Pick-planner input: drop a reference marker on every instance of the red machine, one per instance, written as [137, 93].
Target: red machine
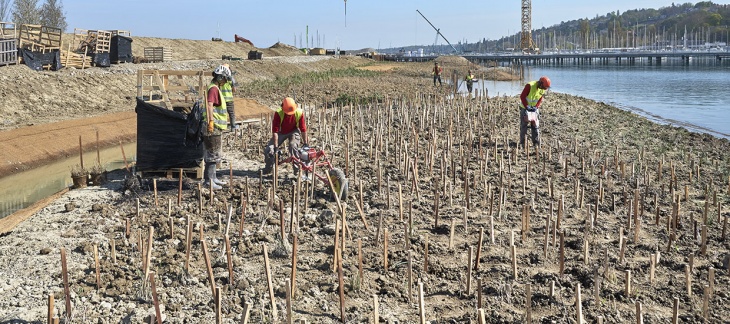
[315, 161]
[241, 39]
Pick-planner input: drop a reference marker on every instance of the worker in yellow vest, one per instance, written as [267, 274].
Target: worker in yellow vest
[228, 89]
[216, 118]
[469, 79]
[531, 99]
[288, 123]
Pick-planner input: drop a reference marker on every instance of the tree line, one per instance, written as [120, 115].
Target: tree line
[49, 13]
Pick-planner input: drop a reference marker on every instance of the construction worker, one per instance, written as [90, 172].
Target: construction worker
[469, 79]
[228, 89]
[288, 123]
[437, 73]
[531, 99]
[216, 118]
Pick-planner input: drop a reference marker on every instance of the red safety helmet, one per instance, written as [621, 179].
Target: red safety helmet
[288, 106]
[545, 82]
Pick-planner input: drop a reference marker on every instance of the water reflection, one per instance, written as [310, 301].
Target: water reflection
[21, 190]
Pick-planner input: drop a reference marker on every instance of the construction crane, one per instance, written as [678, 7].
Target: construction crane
[438, 31]
[526, 43]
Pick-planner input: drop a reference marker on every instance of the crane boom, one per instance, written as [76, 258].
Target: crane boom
[437, 31]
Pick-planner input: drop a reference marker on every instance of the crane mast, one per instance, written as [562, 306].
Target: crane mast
[526, 43]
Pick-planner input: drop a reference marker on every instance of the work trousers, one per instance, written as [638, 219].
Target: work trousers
[294, 138]
[212, 146]
[436, 77]
[524, 125]
[231, 114]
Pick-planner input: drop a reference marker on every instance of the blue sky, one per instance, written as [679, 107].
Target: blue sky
[370, 23]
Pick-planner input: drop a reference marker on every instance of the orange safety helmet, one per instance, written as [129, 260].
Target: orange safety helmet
[545, 82]
[288, 106]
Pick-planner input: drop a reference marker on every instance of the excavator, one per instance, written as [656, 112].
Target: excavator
[241, 39]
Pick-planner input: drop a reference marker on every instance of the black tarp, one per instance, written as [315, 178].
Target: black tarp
[120, 49]
[36, 60]
[161, 136]
[100, 59]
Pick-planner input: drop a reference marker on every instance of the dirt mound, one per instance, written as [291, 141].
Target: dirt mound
[452, 60]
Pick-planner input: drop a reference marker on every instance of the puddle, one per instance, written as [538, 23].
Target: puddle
[23, 189]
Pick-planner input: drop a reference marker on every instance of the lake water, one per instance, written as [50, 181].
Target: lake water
[672, 93]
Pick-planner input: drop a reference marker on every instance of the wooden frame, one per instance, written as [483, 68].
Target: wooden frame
[173, 88]
[8, 43]
[39, 38]
[157, 54]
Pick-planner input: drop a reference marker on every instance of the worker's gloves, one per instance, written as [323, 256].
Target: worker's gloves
[210, 126]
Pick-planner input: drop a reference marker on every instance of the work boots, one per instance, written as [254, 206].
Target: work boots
[209, 176]
[215, 178]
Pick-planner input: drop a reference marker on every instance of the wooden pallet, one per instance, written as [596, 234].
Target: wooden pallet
[39, 38]
[157, 54]
[192, 173]
[8, 51]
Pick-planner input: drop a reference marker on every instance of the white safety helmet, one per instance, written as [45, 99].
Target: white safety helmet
[223, 70]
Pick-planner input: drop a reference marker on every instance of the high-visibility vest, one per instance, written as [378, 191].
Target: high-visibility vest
[297, 116]
[535, 94]
[469, 79]
[220, 114]
[227, 91]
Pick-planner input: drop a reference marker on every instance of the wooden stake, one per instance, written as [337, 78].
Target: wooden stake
[706, 303]
[468, 271]
[376, 316]
[688, 279]
[293, 276]
[179, 189]
[479, 249]
[211, 279]
[675, 311]
[652, 267]
[342, 289]
[528, 303]
[425, 256]
[639, 317]
[578, 305]
[246, 313]
[188, 241]
[218, 304]
[229, 260]
[96, 266]
[385, 249]
[269, 283]
[51, 309]
[451, 233]
[113, 247]
[148, 251]
[421, 304]
[514, 262]
[627, 287]
[154, 186]
[562, 252]
[711, 280]
[289, 317]
[64, 274]
[155, 301]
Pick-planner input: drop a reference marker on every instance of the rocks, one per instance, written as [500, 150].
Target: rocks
[45, 251]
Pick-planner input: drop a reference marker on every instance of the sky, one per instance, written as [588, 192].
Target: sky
[368, 23]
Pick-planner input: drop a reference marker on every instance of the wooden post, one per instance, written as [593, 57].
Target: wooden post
[246, 313]
[562, 253]
[421, 304]
[148, 251]
[154, 186]
[188, 241]
[711, 280]
[639, 317]
[218, 304]
[229, 260]
[451, 233]
[155, 301]
[81, 154]
[528, 303]
[385, 249]
[425, 256]
[51, 309]
[652, 266]
[479, 249]
[705, 303]
[688, 279]
[96, 265]
[269, 283]
[468, 271]
[289, 317]
[179, 189]
[342, 288]
[578, 305]
[675, 311]
[627, 289]
[376, 316]
[64, 274]
[211, 279]
[514, 261]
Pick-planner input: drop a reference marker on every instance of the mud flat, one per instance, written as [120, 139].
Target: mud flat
[450, 201]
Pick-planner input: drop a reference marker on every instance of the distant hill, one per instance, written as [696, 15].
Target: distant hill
[704, 22]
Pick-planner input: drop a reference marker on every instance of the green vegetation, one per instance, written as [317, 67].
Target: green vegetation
[285, 84]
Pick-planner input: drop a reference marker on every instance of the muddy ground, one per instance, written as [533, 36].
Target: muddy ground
[398, 118]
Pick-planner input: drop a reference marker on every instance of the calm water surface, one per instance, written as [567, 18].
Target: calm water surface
[692, 96]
